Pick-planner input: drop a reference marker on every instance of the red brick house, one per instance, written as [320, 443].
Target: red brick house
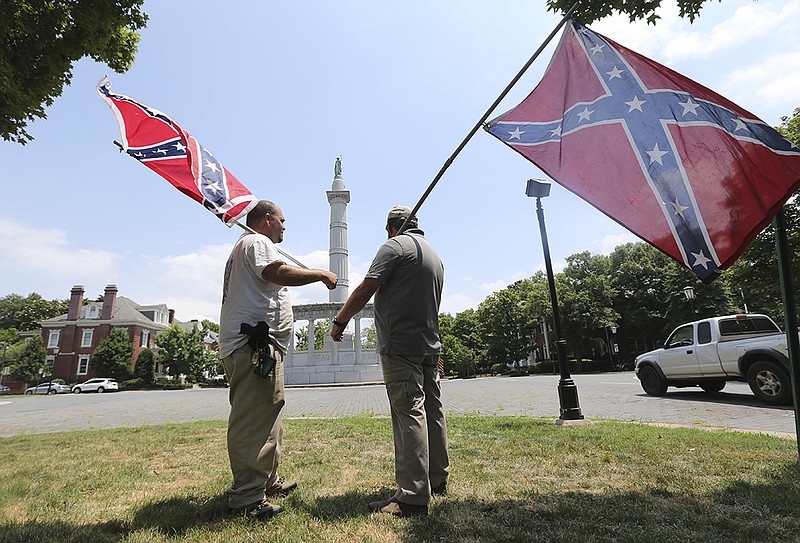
[71, 339]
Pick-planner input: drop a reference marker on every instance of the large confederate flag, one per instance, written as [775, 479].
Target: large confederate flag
[679, 165]
[157, 141]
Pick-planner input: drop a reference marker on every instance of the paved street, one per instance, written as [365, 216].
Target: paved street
[602, 396]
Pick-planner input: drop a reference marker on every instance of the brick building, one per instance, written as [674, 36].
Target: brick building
[71, 339]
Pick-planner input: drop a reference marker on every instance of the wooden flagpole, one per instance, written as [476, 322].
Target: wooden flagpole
[485, 116]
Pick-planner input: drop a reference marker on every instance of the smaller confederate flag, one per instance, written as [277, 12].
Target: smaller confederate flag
[157, 141]
[680, 166]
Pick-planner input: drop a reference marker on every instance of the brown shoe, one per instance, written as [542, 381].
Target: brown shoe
[281, 487]
[398, 509]
[262, 510]
[440, 490]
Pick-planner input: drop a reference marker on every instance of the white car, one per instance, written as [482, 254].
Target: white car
[97, 384]
[47, 388]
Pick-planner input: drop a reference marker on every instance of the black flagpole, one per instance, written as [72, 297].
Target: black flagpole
[485, 116]
[790, 313]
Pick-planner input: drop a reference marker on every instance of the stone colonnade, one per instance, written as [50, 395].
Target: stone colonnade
[346, 362]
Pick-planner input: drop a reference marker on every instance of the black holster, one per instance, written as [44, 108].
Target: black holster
[258, 338]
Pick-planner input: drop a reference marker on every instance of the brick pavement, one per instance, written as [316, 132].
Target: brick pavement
[602, 396]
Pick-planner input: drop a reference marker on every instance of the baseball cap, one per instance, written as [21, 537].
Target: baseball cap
[399, 212]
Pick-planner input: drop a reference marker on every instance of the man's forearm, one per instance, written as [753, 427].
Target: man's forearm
[290, 276]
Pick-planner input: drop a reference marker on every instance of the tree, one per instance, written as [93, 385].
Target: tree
[183, 352]
[589, 11]
[41, 40]
[113, 356]
[210, 325]
[321, 328]
[585, 295]
[790, 127]
[506, 327]
[24, 313]
[455, 355]
[369, 337]
[145, 368]
[28, 360]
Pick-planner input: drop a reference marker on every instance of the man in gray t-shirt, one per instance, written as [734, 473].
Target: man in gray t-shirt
[406, 277]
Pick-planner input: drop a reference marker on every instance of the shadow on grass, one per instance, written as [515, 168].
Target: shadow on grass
[345, 506]
[172, 517]
[740, 512]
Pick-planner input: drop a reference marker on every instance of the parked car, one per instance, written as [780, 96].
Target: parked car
[97, 384]
[47, 388]
[4, 390]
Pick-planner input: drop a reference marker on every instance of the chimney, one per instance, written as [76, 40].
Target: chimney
[171, 315]
[109, 297]
[75, 303]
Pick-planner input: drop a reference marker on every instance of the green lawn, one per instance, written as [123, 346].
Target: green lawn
[513, 479]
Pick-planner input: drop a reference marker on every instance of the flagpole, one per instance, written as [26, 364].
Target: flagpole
[485, 116]
[789, 313]
[281, 251]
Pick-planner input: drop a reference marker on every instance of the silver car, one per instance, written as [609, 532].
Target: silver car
[96, 384]
[48, 388]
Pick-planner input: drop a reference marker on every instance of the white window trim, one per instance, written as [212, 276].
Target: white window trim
[87, 332]
[86, 369]
[52, 339]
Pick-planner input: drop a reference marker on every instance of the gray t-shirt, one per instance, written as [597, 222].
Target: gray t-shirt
[407, 302]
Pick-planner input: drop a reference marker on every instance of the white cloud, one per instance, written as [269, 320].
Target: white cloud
[49, 253]
[610, 242]
[773, 79]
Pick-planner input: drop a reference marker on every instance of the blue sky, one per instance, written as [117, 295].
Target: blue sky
[278, 90]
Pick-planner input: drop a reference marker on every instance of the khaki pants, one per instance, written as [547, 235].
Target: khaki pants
[255, 431]
[418, 423]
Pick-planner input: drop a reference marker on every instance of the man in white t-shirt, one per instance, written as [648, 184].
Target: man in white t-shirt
[255, 290]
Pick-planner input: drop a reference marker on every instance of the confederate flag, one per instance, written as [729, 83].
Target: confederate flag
[680, 166]
[157, 141]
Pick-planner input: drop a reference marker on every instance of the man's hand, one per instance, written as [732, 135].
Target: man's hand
[330, 279]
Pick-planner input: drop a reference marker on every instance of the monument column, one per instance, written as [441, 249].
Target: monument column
[338, 198]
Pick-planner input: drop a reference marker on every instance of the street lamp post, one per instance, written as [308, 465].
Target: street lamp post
[3, 368]
[567, 390]
[689, 293]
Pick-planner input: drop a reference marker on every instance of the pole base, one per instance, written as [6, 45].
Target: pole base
[568, 400]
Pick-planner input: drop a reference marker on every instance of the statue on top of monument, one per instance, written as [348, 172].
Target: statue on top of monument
[337, 168]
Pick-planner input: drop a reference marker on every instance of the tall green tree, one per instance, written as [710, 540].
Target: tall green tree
[506, 327]
[25, 312]
[585, 296]
[113, 356]
[40, 40]
[183, 352]
[592, 10]
[28, 360]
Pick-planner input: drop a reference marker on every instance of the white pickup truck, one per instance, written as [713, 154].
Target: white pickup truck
[709, 352]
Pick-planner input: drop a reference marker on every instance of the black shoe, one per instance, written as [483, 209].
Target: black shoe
[262, 510]
[281, 487]
[398, 509]
[440, 490]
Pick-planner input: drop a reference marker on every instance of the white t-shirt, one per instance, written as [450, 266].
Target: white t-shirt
[248, 298]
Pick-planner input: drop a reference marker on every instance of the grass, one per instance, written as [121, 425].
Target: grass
[513, 479]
